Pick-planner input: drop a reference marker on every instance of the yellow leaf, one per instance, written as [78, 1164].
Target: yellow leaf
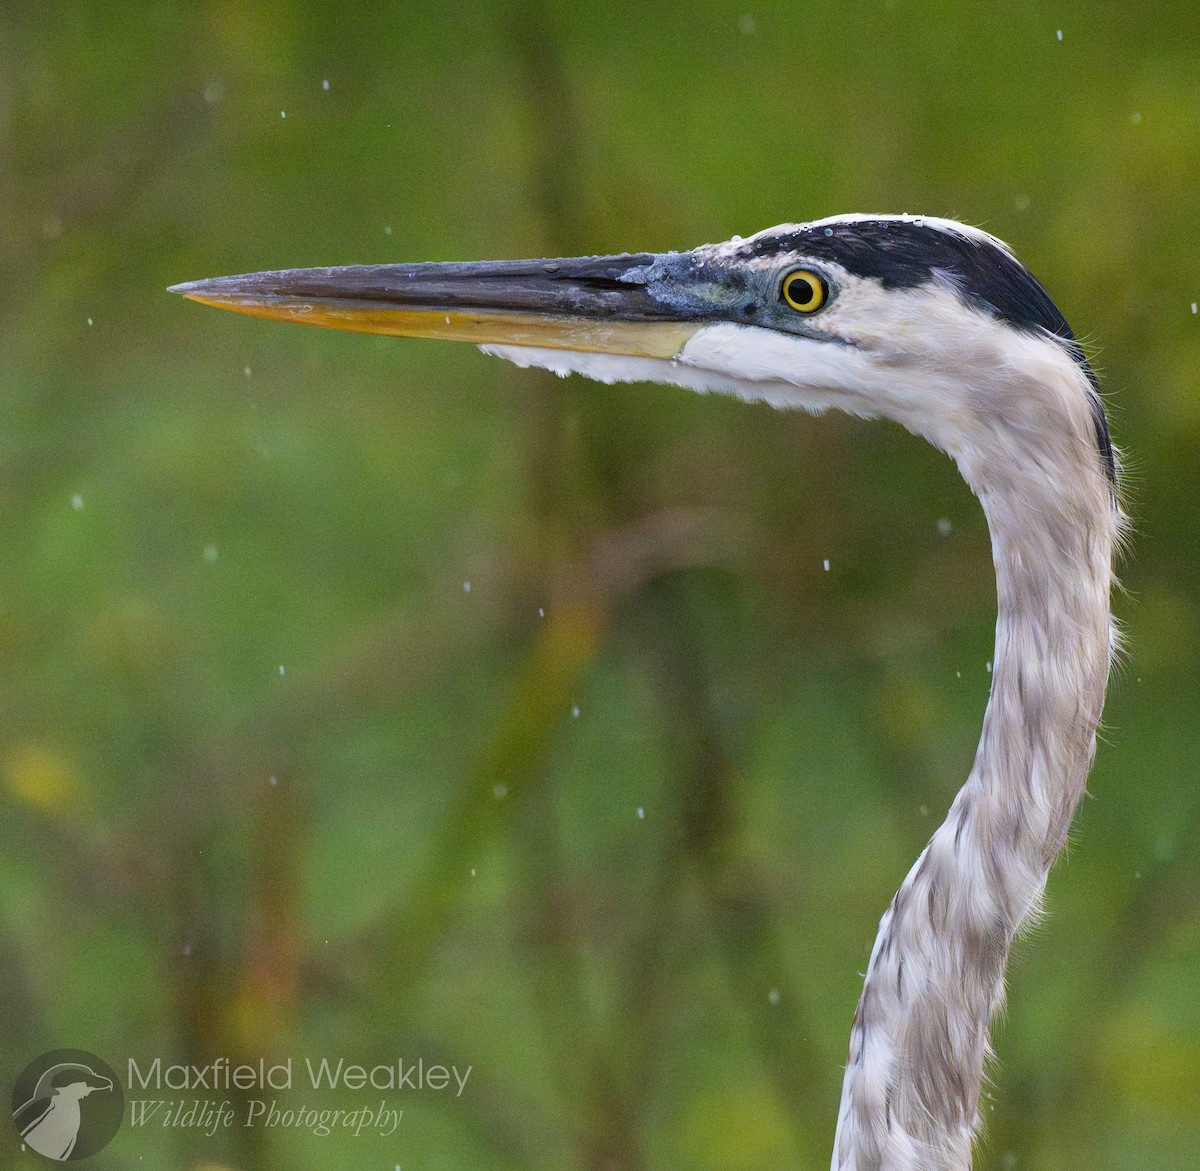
[41, 776]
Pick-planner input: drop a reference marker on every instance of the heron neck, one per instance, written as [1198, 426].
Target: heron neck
[936, 974]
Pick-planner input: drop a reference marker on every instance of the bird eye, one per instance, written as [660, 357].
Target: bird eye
[804, 290]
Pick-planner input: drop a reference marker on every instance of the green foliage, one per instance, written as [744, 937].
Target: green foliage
[377, 700]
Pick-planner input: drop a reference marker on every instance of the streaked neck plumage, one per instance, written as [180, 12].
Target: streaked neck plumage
[936, 975]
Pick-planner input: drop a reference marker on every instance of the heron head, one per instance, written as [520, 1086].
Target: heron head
[922, 320]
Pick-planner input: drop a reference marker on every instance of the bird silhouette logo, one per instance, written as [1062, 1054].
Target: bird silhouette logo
[67, 1105]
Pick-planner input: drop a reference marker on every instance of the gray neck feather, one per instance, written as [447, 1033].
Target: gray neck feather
[936, 975]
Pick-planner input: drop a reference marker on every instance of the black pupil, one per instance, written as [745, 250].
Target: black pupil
[802, 290]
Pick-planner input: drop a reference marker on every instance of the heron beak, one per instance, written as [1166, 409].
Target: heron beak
[603, 304]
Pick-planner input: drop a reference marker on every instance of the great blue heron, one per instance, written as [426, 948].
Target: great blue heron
[937, 326]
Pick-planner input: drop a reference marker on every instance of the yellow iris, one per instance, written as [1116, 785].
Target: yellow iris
[804, 290]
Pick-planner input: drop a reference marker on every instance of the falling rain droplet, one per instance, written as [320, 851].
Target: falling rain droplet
[825, 564]
[325, 84]
[641, 812]
[575, 711]
[90, 321]
[77, 502]
[466, 587]
[283, 113]
[773, 997]
[282, 671]
[210, 553]
[500, 792]
[1059, 34]
[944, 527]
[246, 371]
[272, 780]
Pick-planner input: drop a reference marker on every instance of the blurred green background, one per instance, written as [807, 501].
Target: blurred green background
[375, 699]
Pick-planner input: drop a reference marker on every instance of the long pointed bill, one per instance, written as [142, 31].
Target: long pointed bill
[603, 304]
